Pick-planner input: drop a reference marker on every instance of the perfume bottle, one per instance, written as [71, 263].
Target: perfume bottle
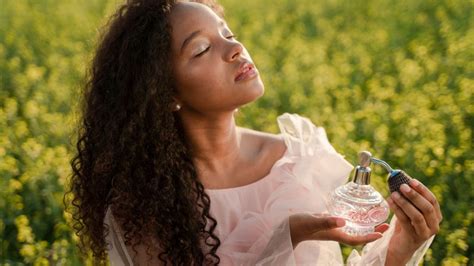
[358, 202]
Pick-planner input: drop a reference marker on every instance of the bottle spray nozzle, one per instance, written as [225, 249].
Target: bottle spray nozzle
[382, 163]
[362, 171]
[396, 177]
[365, 158]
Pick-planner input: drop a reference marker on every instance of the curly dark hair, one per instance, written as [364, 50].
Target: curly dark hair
[132, 155]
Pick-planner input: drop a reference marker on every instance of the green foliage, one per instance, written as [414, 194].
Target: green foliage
[43, 48]
[393, 77]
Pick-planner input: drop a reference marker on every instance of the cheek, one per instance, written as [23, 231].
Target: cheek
[202, 84]
[202, 79]
[208, 75]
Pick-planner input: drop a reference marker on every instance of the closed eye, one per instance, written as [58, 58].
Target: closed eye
[204, 51]
[207, 49]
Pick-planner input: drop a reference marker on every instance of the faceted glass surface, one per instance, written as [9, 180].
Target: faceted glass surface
[360, 205]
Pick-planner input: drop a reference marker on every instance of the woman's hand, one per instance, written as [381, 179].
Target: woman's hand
[305, 226]
[418, 215]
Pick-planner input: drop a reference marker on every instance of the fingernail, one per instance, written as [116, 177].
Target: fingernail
[395, 195]
[405, 188]
[415, 182]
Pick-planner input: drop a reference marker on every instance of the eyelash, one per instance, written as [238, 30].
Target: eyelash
[205, 50]
[201, 53]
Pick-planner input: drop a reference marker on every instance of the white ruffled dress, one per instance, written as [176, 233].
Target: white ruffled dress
[252, 220]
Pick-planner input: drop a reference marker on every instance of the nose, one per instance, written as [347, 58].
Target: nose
[234, 50]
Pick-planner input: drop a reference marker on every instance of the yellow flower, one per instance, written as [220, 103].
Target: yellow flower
[28, 251]
[25, 233]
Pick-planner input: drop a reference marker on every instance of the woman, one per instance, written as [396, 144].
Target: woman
[163, 174]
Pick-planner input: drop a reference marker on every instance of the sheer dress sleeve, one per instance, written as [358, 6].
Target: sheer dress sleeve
[257, 231]
[118, 254]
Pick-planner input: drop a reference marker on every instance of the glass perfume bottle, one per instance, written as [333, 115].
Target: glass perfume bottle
[358, 202]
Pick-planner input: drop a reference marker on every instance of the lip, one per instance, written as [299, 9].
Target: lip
[246, 70]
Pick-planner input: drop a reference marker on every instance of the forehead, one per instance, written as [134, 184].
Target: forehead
[186, 17]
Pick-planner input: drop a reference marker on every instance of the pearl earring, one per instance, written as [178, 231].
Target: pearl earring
[178, 107]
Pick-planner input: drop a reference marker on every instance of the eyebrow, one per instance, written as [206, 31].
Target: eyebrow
[194, 35]
[189, 39]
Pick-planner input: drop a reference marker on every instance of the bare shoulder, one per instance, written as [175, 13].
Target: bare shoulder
[269, 145]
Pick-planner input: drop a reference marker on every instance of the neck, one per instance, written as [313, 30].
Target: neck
[214, 140]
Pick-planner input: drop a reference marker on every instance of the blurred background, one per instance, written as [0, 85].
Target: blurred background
[395, 77]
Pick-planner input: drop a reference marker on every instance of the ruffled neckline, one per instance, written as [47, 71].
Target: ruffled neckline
[263, 179]
[315, 163]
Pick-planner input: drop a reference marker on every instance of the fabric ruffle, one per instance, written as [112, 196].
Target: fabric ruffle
[299, 182]
[316, 164]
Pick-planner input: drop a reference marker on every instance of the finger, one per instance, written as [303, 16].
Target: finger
[425, 192]
[403, 219]
[328, 228]
[342, 237]
[381, 228]
[423, 205]
[326, 223]
[357, 240]
[417, 220]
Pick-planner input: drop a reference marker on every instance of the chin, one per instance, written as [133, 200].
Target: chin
[249, 92]
[255, 92]
[257, 88]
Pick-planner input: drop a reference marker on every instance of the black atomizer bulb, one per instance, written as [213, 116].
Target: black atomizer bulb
[396, 177]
